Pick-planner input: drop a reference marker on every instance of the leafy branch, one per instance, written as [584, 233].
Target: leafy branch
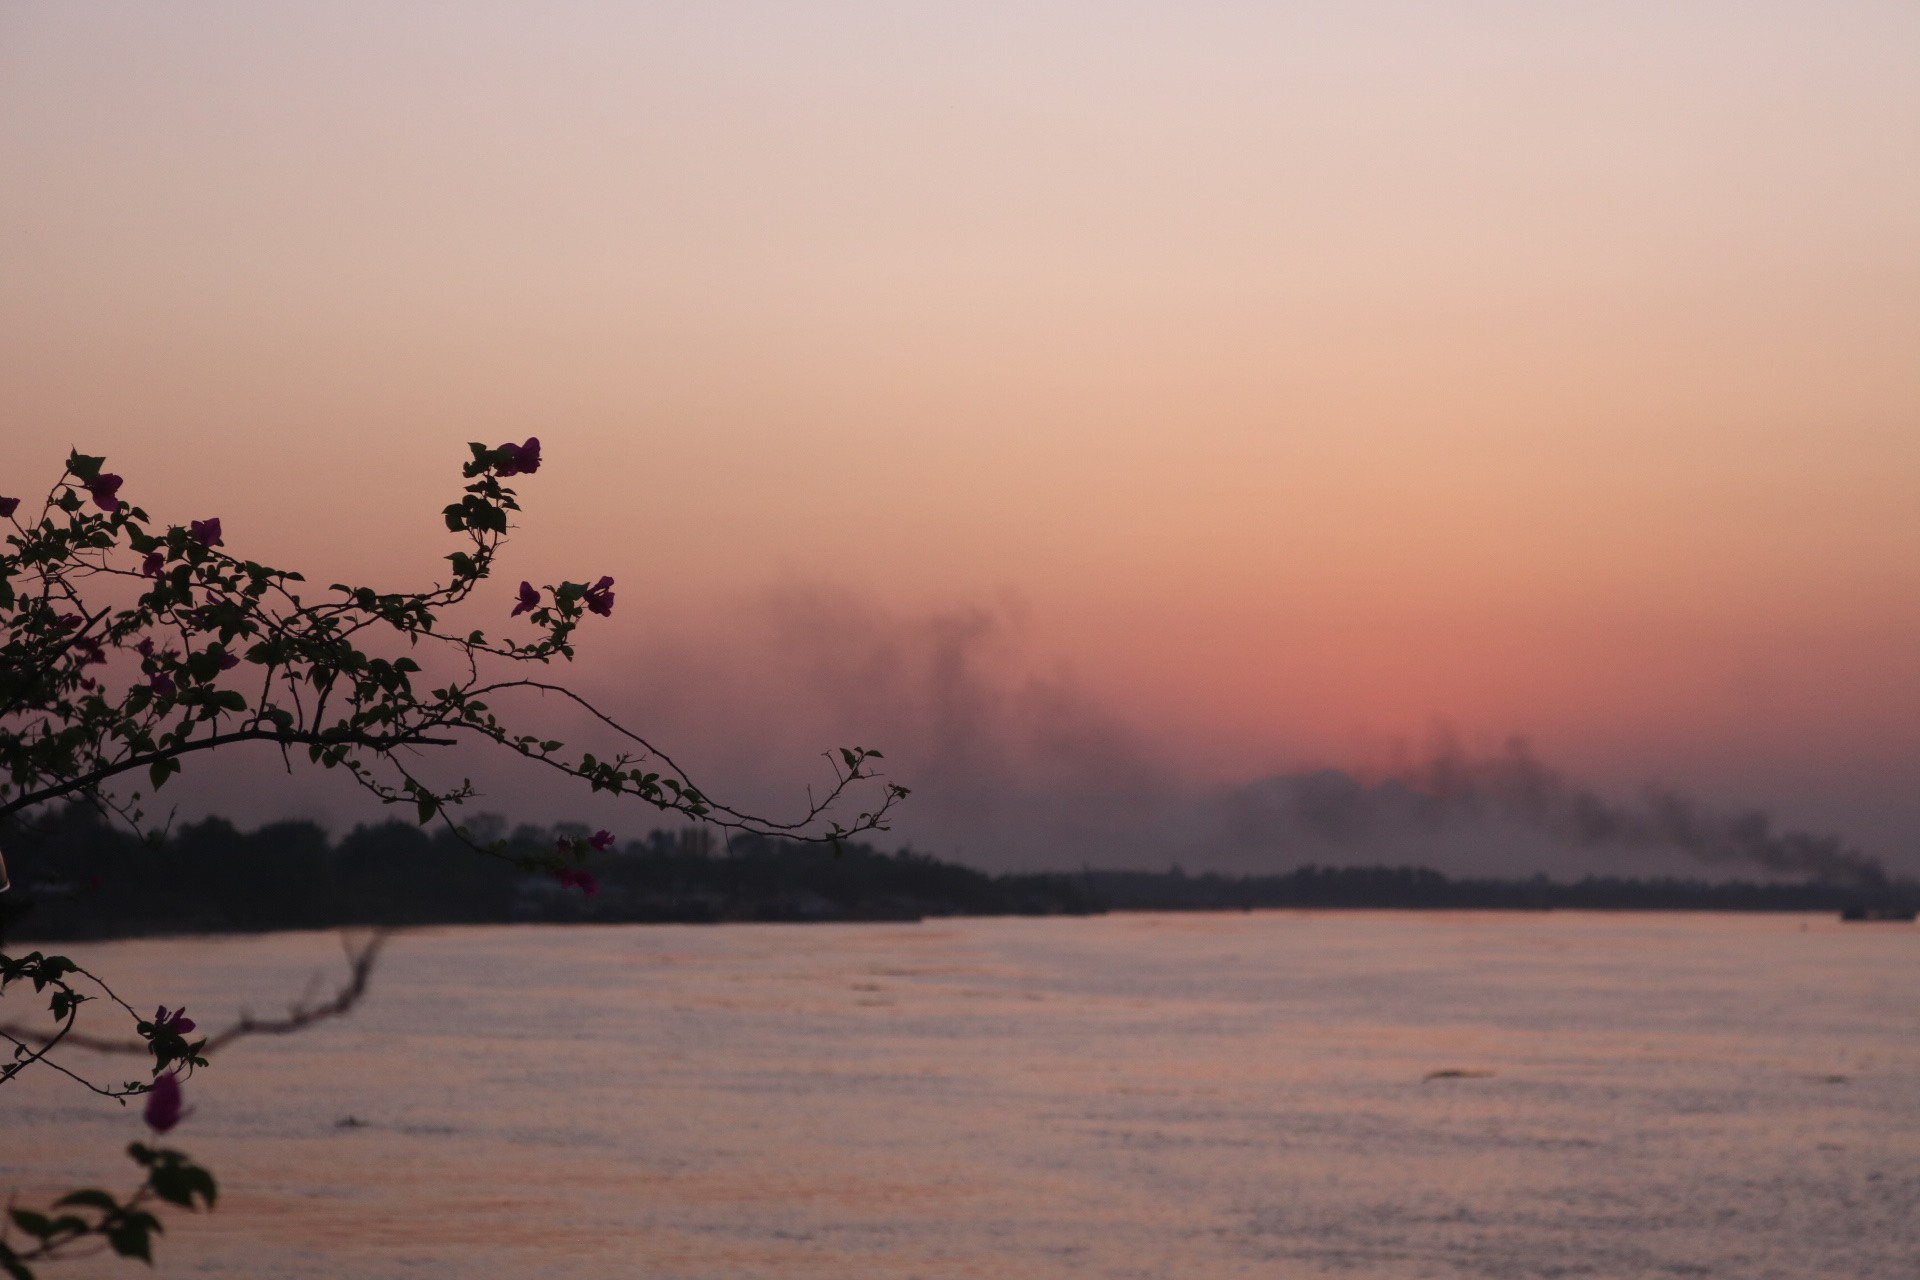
[299, 1016]
[96, 1221]
[127, 648]
[215, 651]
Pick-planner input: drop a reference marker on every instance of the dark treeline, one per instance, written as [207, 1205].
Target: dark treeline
[76, 877]
[1418, 887]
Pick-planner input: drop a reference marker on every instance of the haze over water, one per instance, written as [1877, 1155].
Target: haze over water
[1124, 1096]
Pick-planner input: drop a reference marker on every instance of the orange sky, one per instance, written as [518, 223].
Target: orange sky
[1308, 374]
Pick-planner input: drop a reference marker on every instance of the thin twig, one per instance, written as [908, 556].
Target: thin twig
[299, 1016]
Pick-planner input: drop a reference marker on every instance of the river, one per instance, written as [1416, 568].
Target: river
[1182, 1096]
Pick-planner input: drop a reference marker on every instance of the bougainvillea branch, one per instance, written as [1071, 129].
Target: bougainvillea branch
[299, 1016]
[129, 648]
[203, 650]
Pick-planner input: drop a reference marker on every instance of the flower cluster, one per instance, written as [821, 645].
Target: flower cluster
[521, 459]
[599, 598]
[105, 489]
[575, 849]
[163, 1110]
[177, 1021]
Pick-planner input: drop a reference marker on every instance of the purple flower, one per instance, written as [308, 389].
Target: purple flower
[161, 683]
[600, 841]
[152, 565]
[145, 647]
[205, 532]
[177, 1022]
[163, 1103]
[529, 599]
[228, 662]
[600, 598]
[7, 507]
[522, 459]
[581, 880]
[105, 489]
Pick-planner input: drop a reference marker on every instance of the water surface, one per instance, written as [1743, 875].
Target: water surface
[1196, 1096]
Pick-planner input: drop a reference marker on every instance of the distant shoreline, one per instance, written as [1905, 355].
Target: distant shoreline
[77, 879]
[809, 922]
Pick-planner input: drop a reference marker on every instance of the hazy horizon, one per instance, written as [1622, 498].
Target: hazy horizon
[1100, 409]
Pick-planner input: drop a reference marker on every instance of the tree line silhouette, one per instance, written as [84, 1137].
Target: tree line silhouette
[77, 877]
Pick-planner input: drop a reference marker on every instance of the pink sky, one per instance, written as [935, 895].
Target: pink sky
[1298, 376]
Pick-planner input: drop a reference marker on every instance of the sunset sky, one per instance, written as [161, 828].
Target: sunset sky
[1244, 387]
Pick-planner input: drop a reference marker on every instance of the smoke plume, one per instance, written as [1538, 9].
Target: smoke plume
[1516, 786]
[1018, 768]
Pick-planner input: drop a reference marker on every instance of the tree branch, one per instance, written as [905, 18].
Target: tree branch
[85, 782]
[299, 1016]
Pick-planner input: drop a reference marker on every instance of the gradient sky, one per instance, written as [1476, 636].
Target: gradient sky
[1287, 378]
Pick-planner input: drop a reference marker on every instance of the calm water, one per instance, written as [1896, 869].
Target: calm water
[1134, 1096]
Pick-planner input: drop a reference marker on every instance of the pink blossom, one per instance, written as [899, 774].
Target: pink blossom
[529, 599]
[163, 1104]
[600, 841]
[152, 565]
[104, 489]
[161, 683]
[7, 507]
[581, 880]
[205, 532]
[522, 459]
[145, 647]
[177, 1021]
[600, 598]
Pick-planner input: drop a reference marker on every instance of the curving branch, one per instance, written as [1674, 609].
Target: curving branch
[87, 782]
[719, 814]
[299, 1016]
[62, 735]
